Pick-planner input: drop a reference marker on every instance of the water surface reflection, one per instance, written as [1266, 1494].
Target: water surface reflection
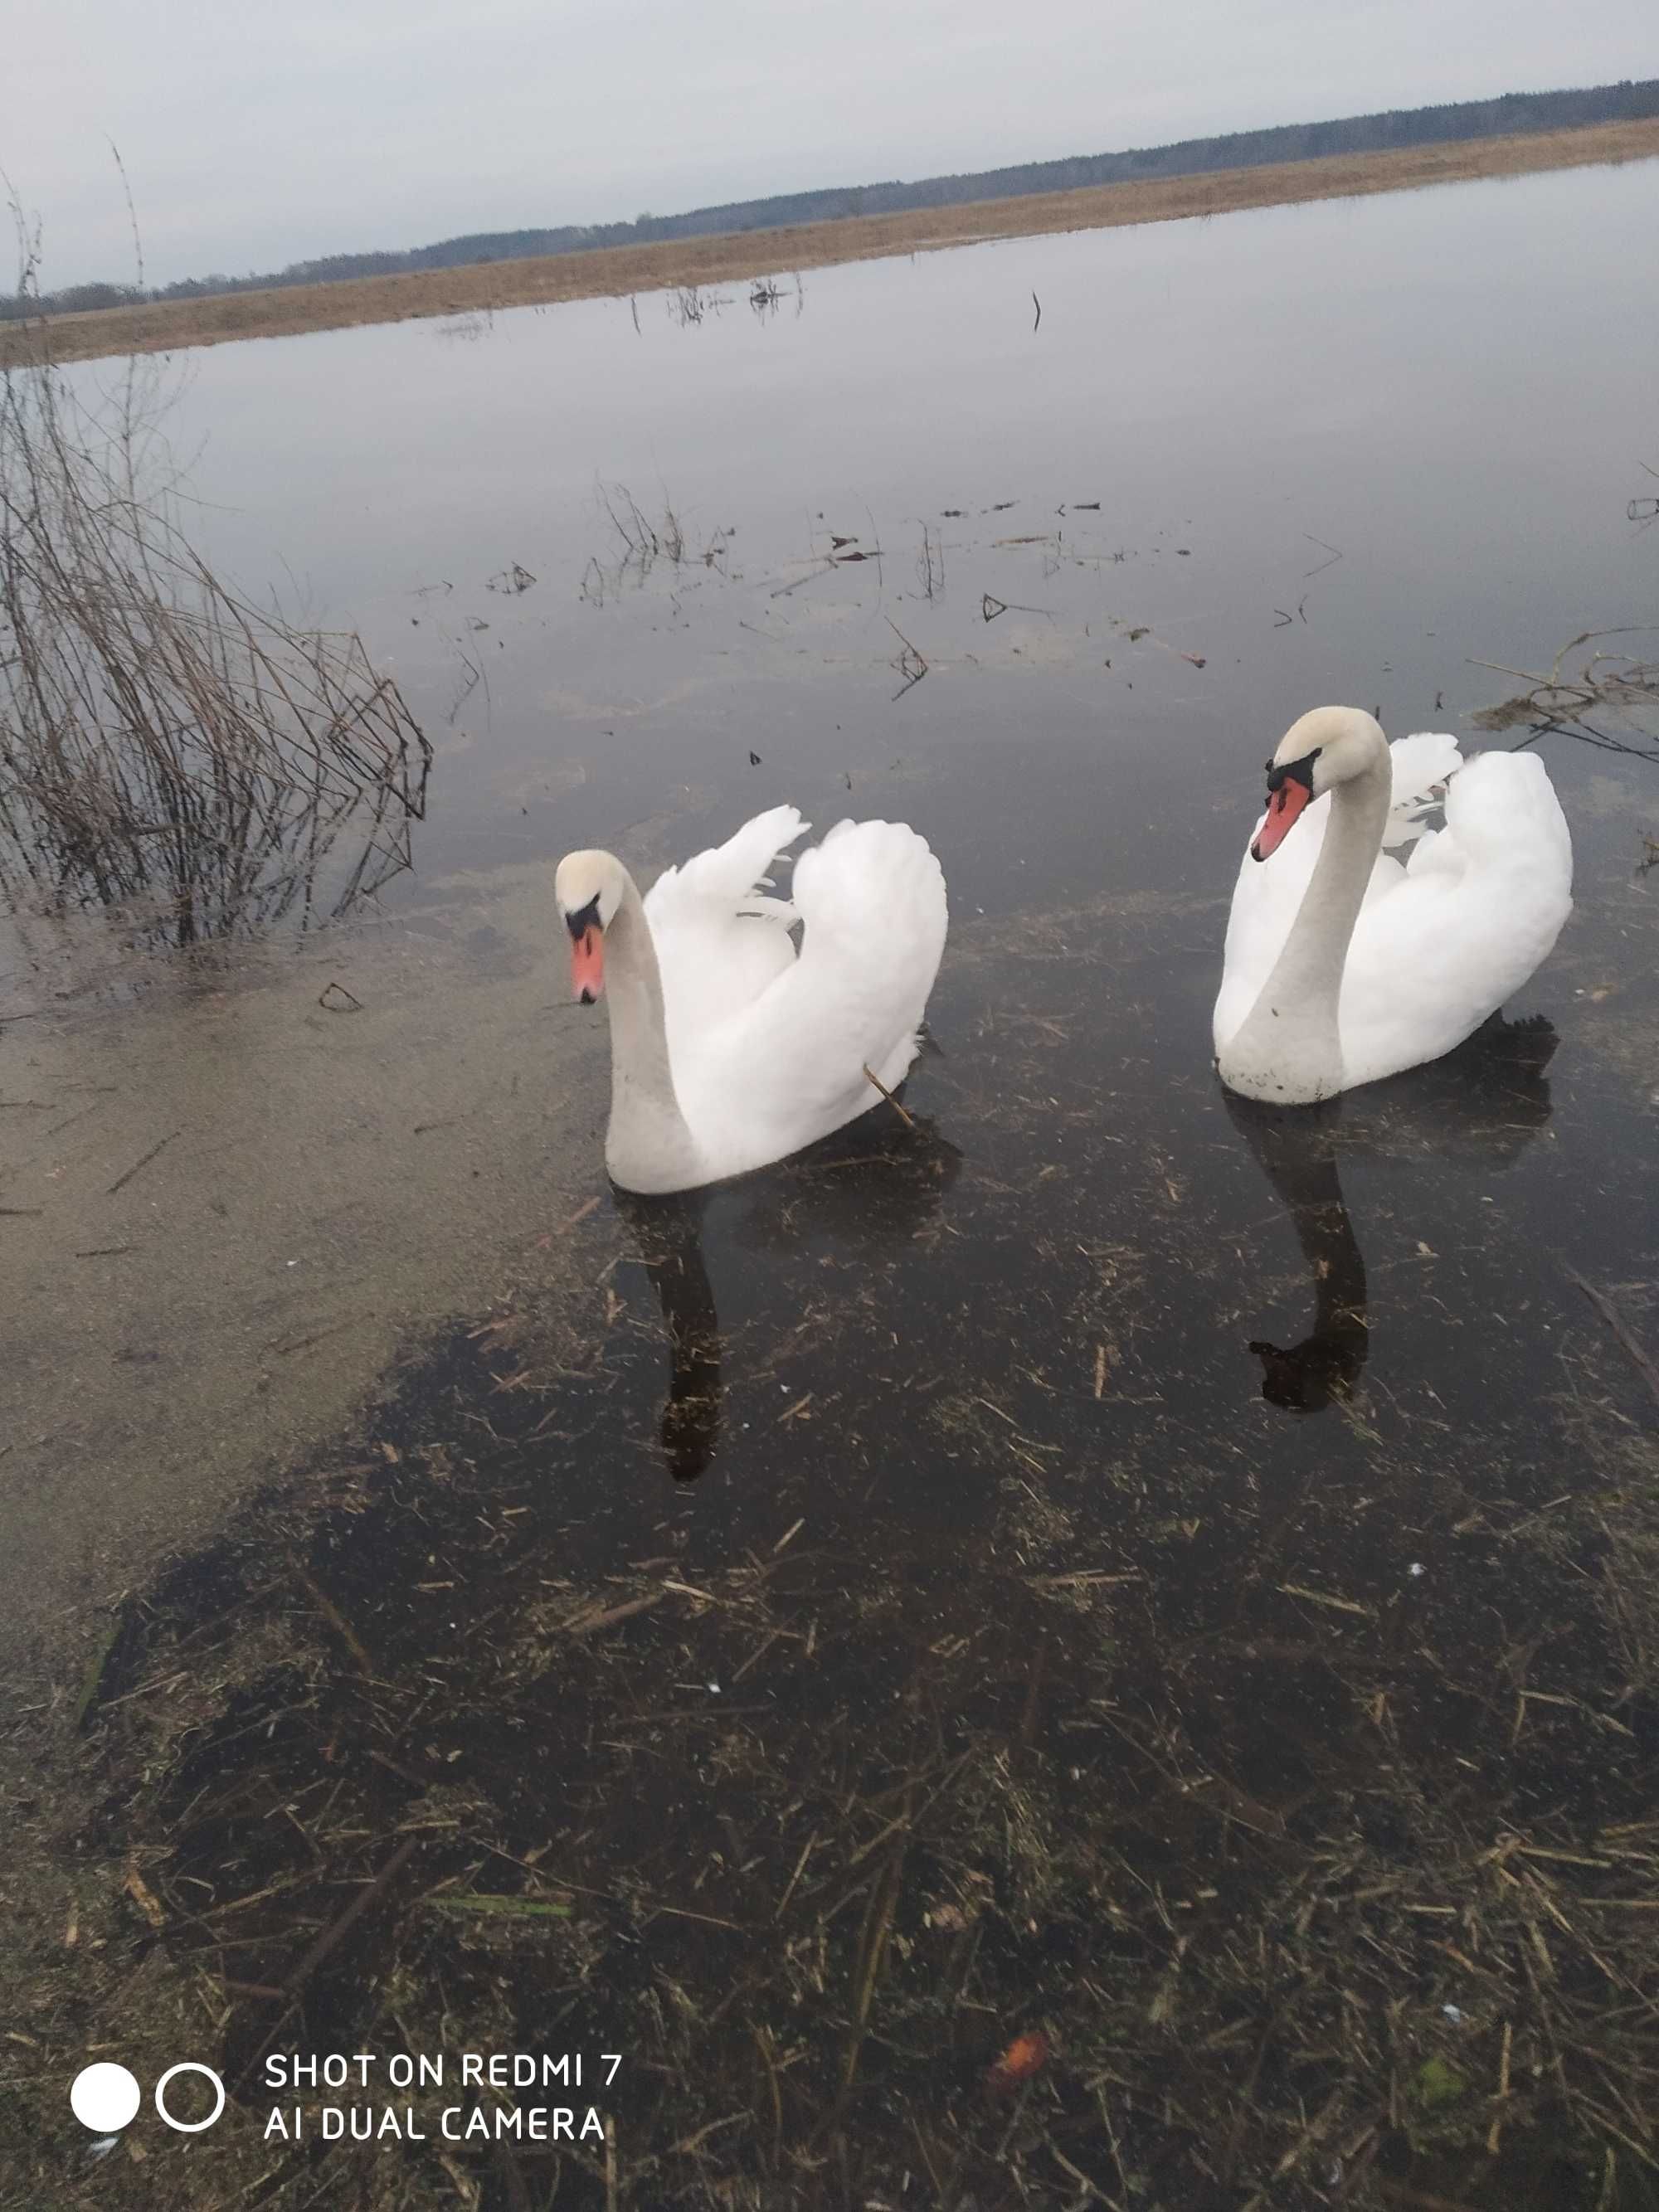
[1487, 1101]
[875, 1184]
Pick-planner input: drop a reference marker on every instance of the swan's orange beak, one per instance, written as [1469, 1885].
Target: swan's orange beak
[1283, 807]
[587, 965]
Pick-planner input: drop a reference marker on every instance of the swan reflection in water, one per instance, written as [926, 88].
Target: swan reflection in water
[868, 1187]
[1484, 1102]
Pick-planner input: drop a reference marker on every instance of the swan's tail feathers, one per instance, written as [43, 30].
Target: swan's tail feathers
[870, 899]
[1503, 807]
[875, 890]
[728, 878]
[1422, 766]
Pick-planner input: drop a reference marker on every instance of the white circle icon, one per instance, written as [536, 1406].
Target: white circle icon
[104, 2098]
[187, 2066]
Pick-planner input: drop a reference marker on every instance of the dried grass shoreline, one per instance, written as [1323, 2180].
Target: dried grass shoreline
[616, 272]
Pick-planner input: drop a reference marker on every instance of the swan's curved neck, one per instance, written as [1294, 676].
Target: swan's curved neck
[648, 1143]
[1288, 1045]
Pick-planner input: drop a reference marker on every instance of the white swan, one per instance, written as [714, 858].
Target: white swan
[727, 1050]
[1342, 965]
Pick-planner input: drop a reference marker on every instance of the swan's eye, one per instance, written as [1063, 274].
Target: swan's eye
[1295, 771]
[585, 918]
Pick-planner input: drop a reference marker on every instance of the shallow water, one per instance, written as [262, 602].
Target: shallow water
[1013, 1572]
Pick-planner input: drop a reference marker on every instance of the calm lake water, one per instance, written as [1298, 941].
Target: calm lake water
[1029, 1574]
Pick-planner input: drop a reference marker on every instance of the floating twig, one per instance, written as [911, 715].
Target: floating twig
[507, 1907]
[586, 1623]
[907, 1119]
[122, 1181]
[821, 567]
[1324, 1597]
[338, 1929]
[912, 665]
[1615, 1320]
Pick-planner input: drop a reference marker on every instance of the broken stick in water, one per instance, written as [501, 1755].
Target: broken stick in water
[906, 1118]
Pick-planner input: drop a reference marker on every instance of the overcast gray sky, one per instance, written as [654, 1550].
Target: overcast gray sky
[258, 135]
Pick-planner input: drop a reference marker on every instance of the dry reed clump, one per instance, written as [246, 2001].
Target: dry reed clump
[165, 744]
[1620, 690]
[642, 543]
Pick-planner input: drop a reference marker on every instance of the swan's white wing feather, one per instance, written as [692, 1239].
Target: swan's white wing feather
[1470, 920]
[1434, 851]
[720, 941]
[1421, 766]
[788, 1068]
[872, 898]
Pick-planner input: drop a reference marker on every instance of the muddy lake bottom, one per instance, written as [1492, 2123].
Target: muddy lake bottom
[1089, 1645]
[823, 1669]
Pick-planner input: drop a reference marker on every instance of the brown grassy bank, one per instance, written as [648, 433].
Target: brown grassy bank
[615, 271]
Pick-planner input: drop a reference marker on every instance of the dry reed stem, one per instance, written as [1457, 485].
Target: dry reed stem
[166, 746]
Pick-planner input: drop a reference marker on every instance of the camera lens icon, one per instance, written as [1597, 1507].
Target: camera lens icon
[105, 2098]
[191, 2127]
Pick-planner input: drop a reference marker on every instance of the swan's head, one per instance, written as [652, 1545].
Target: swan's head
[589, 889]
[1322, 749]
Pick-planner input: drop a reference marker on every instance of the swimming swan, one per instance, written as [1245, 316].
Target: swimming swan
[1344, 965]
[729, 1049]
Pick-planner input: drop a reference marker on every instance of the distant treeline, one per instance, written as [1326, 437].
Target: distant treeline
[1513, 113]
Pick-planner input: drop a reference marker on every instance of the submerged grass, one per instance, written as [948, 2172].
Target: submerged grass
[1024, 1771]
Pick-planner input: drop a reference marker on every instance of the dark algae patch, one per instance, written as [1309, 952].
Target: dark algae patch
[916, 1672]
